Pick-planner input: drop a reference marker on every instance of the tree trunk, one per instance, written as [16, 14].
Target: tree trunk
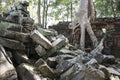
[43, 17]
[91, 10]
[82, 38]
[39, 12]
[112, 7]
[46, 12]
[71, 9]
[83, 17]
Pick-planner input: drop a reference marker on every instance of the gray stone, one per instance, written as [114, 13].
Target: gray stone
[52, 62]
[23, 37]
[89, 74]
[6, 25]
[46, 71]
[63, 57]
[28, 22]
[7, 70]
[40, 50]
[21, 57]
[47, 32]
[114, 77]
[57, 44]
[26, 72]
[92, 62]
[113, 71]
[72, 52]
[39, 62]
[40, 39]
[106, 72]
[109, 59]
[12, 44]
[65, 51]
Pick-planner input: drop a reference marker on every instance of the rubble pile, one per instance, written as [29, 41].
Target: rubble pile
[31, 53]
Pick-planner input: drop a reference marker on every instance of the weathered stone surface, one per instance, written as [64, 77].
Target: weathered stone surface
[77, 73]
[106, 72]
[114, 77]
[12, 44]
[6, 25]
[66, 75]
[89, 74]
[52, 62]
[54, 59]
[9, 54]
[64, 57]
[108, 59]
[39, 62]
[40, 50]
[113, 71]
[7, 70]
[57, 44]
[46, 71]
[23, 37]
[40, 39]
[26, 72]
[92, 62]
[20, 57]
[65, 51]
[47, 32]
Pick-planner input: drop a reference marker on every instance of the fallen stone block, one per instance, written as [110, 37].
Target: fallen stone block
[7, 70]
[63, 57]
[40, 50]
[65, 51]
[21, 57]
[6, 25]
[26, 72]
[88, 74]
[66, 75]
[109, 59]
[63, 65]
[12, 44]
[47, 32]
[92, 62]
[9, 53]
[39, 62]
[76, 73]
[23, 37]
[40, 39]
[106, 72]
[113, 71]
[52, 62]
[57, 44]
[51, 38]
[114, 77]
[46, 71]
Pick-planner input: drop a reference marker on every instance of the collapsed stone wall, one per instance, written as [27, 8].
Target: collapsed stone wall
[30, 53]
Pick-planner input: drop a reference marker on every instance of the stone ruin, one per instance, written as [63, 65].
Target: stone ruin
[28, 52]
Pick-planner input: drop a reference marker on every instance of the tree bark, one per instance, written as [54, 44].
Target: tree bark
[43, 16]
[83, 17]
[91, 10]
[39, 12]
[71, 9]
[46, 13]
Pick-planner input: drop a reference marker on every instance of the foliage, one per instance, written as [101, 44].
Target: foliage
[61, 9]
[107, 8]
[5, 4]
